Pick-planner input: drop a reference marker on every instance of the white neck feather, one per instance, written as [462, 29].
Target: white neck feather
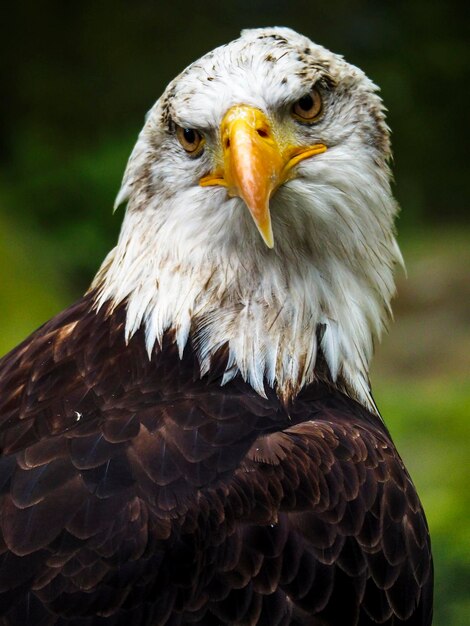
[328, 279]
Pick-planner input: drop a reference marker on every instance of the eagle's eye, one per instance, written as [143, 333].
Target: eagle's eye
[308, 108]
[190, 139]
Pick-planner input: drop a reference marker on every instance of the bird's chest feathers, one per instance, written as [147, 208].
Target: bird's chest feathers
[275, 322]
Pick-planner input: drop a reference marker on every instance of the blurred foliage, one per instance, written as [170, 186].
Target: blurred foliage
[24, 272]
[420, 383]
[430, 426]
[76, 79]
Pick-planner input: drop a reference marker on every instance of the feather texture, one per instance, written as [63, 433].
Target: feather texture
[195, 441]
[189, 259]
[145, 494]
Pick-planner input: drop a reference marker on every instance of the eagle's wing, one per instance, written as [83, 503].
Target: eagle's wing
[336, 527]
[133, 492]
[104, 456]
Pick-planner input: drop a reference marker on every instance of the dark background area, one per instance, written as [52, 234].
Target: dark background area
[76, 79]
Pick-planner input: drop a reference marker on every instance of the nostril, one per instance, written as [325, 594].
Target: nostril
[261, 132]
[227, 143]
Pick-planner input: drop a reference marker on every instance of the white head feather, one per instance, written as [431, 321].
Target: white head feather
[190, 259]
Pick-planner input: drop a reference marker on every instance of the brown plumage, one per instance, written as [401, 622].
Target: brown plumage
[134, 491]
[195, 440]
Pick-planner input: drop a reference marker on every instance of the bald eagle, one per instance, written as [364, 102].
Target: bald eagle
[195, 441]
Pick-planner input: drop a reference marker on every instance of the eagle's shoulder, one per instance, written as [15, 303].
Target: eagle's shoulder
[48, 382]
[121, 471]
[334, 518]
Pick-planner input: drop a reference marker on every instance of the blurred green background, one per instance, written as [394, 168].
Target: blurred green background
[76, 80]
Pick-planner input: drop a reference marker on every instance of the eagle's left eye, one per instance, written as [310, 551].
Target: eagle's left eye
[309, 107]
[191, 140]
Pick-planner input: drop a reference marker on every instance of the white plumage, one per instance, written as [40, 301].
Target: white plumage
[329, 277]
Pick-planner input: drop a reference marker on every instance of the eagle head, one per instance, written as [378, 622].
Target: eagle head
[260, 217]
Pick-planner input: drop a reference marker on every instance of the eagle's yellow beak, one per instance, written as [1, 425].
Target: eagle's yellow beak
[255, 162]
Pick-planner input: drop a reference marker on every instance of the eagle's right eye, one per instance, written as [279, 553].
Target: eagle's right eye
[308, 108]
[191, 140]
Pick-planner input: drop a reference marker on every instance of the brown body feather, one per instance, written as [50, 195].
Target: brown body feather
[135, 492]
